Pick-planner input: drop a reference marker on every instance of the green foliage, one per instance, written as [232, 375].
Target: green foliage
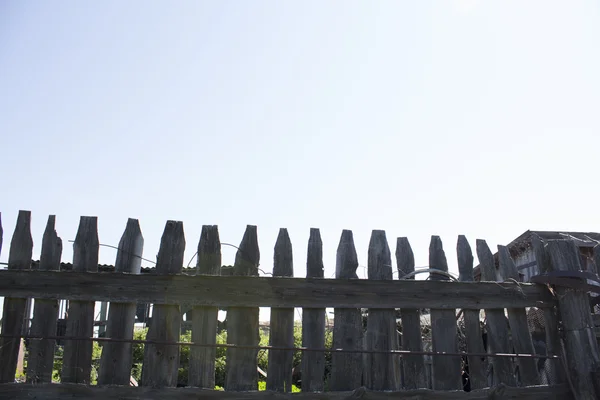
[58, 363]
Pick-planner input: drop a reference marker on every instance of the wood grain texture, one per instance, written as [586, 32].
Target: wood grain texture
[204, 319]
[517, 318]
[279, 374]
[581, 346]
[313, 322]
[253, 291]
[346, 368]
[381, 371]
[478, 366]
[77, 356]
[45, 312]
[413, 367]
[161, 362]
[116, 359]
[62, 391]
[242, 322]
[13, 316]
[497, 324]
[446, 369]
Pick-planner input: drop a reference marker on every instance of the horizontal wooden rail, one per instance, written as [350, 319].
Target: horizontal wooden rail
[73, 391]
[246, 291]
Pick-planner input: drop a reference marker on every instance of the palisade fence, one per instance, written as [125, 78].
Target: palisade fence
[372, 362]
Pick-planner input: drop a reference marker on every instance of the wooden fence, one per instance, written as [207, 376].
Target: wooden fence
[371, 363]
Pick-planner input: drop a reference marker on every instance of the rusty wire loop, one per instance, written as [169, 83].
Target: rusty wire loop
[246, 347]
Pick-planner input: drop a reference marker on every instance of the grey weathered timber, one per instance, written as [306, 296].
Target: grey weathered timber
[413, 367]
[313, 322]
[161, 362]
[116, 359]
[253, 291]
[279, 374]
[346, 368]
[242, 322]
[13, 316]
[204, 319]
[381, 371]
[446, 369]
[553, 367]
[59, 392]
[580, 341]
[517, 318]
[77, 357]
[497, 324]
[477, 365]
[45, 313]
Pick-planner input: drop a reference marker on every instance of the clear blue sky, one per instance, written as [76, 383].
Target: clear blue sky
[417, 117]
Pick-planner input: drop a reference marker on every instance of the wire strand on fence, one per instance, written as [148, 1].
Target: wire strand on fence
[245, 347]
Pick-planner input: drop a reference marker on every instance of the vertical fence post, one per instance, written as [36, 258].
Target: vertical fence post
[19, 258]
[414, 373]
[313, 322]
[116, 359]
[497, 325]
[279, 373]
[446, 369]
[382, 371]
[77, 358]
[517, 318]
[161, 361]
[477, 364]
[580, 340]
[204, 319]
[242, 322]
[45, 313]
[346, 368]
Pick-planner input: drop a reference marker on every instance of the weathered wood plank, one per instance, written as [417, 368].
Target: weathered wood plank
[346, 368]
[204, 319]
[62, 391]
[554, 368]
[580, 341]
[77, 357]
[413, 372]
[313, 322]
[497, 324]
[45, 312]
[116, 359]
[270, 292]
[279, 374]
[478, 366]
[161, 362]
[381, 370]
[13, 316]
[446, 369]
[242, 322]
[517, 318]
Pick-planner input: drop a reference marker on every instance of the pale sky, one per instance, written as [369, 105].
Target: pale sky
[420, 118]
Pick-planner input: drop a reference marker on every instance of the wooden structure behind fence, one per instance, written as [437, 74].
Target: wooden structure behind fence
[373, 363]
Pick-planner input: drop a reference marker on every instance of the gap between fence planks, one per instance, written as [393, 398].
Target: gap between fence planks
[346, 368]
[201, 371]
[281, 333]
[446, 373]
[19, 258]
[414, 374]
[497, 325]
[313, 322]
[519, 328]
[477, 365]
[116, 359]
[242, 322]
[45, 312]
[59, 392]
[161, 362]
